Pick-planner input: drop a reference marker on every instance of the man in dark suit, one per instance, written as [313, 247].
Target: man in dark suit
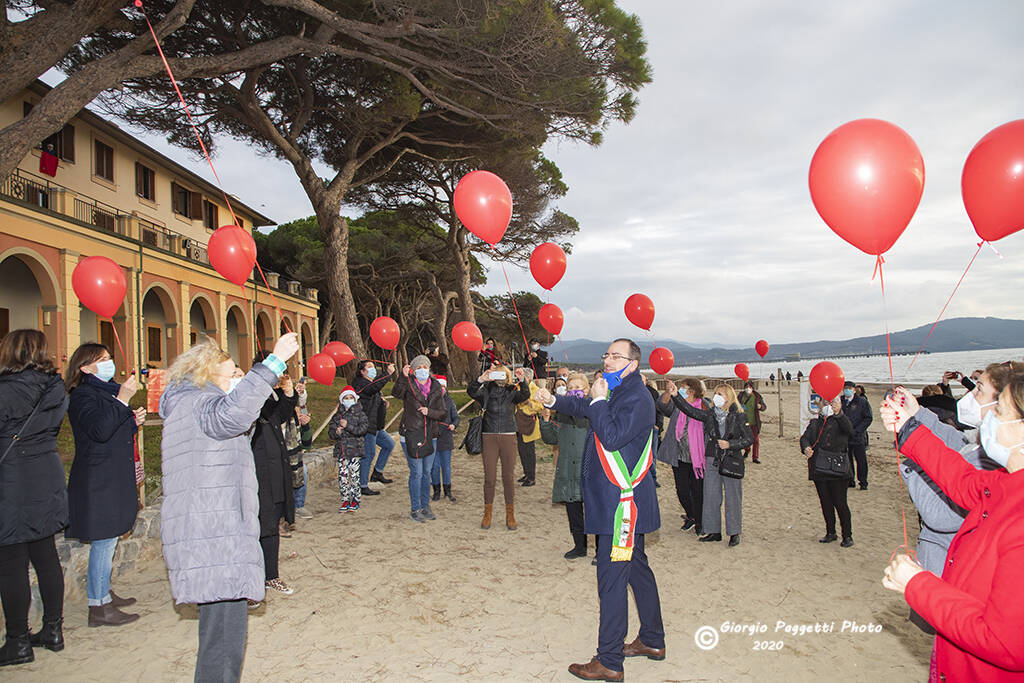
[617, 458]
[858, 410]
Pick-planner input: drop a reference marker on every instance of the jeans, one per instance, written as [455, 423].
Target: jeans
[222, 627]
[97, 582]
[300, 493]
[370, 441]
[419, 479]
[442, 469]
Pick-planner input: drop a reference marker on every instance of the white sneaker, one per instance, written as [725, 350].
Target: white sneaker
[279, 585]
[304, 513]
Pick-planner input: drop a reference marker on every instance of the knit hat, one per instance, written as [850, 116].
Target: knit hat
[348, 390]
[420, 361]
[442, 380]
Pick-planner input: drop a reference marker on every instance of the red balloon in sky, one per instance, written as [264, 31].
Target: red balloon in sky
[742, 371]
[321, 367]
[339, 351]
[662, 361]
[640, 311]
[761, 347]
[99, 284]
[866, 181]
[384, 333]
[551, 318]
[484, 205]
[827, 379]
[992, 183]
[467, 336]
[547, 263]
[232, 253]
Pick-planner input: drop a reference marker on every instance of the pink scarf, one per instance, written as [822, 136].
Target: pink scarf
[424, 387]
[695, 436]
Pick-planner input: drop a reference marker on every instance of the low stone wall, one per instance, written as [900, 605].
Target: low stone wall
[142, 545]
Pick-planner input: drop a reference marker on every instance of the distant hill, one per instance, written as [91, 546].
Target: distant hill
[955, 334]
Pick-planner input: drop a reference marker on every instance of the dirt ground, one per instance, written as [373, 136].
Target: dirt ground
[379, 597]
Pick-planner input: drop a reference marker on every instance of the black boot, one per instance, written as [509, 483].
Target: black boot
[580, 548]
[17, 650]
[437, 492]
[448, 492]
[50, 636]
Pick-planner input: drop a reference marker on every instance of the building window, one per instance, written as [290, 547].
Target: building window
[5, 322]
[154, 344]
[61, 144]
[187, 203]
[106, 334]
[210, 215]
[145, 182]
[104, 161]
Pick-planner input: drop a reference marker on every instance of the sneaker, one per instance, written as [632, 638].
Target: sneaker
[344, 507]
[304, 513]
[252, 604]
[417, 517]
[427, 513]
[279, 585]
[353, 507]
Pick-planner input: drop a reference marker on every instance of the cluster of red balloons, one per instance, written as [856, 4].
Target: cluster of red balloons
[100, 285]
[827, 379]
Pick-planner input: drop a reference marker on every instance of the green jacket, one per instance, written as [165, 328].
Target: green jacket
[570, 433]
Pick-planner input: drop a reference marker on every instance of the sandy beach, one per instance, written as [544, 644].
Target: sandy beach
[379, 597]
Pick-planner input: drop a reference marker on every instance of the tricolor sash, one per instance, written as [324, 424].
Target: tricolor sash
[625, 514]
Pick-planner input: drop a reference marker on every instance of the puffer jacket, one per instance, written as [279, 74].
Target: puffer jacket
[210, 516]
[499, 403]
[33, 497]
[348, 441]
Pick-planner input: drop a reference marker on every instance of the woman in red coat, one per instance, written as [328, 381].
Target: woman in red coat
[975, 606]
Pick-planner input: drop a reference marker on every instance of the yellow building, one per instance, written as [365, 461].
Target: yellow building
[117, 197]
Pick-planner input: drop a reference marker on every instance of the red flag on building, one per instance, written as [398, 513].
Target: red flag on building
[48, 164]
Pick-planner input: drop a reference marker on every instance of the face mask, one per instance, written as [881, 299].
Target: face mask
[496, 375]
[422, 374]
[348, 402]
[564, 378]
[232, 383]
[371, 373]
[534, 346]
[105, 370]
[718, 400]
[848, 393]
[578, 393]
[560, 391]
[968, 410]
[685, 393]
[826, 410]
[749, 390]
[990, 442]
[614, 379]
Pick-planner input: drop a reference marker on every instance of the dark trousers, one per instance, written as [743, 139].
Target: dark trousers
[222, 627]
[612, 581]
[575, 513]
[271, 545]
[527, 457]
[15, 593]
[859, 457]
[832, 496]
[689, 491]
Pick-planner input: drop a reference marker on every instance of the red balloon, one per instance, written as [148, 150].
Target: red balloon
[662, 361]
[827, 379]
[742, 371]
[866, 181]
[551, 318]
[547, 263]
[761, 347]
[484, 205]
[640, 311]
[99, 284]
[993, 182]
[339, 352]
[467, 336]
[321, 367]
[384, 333]
[232, 253]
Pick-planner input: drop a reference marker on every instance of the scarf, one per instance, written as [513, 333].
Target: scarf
[424, 387]
[624, 525]
[696, 437]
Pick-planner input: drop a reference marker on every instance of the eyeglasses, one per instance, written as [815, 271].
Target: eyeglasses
[616, 356]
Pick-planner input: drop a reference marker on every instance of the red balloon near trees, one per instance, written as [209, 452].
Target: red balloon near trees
[866, 181]
[321, 367]
[484, 205]
[232, 253]
[99, 284]
[742, 371]
[339, 352]
[384, 333]
[547, 264]
[640, 311]
[551, 318]
[662, 361]
[467, 336]
[827, 379]
[992, 183]
[761, 347]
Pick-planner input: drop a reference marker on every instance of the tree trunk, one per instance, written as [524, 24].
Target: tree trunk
[460, 256]
[335, 231]
[439, 325]
[325, 328]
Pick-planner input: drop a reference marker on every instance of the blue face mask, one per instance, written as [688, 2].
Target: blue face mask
[371, 373]
[684, 394]
[105, 370]
[990, 441]
[848, 393]
[422, 374]
[614, 379]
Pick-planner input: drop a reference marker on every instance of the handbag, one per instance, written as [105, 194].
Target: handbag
[473, 442]
[525, 423]
[24, 424]
[731, 465]
[831, 464]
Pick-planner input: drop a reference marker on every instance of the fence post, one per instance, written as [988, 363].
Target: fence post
[778, 384]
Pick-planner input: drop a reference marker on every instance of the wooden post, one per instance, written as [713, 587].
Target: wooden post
[142, 461]
[778, 384]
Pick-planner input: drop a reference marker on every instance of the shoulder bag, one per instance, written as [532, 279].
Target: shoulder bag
[473, 442]
[24, 424]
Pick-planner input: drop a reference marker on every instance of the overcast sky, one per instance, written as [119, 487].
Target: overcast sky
[702, 202]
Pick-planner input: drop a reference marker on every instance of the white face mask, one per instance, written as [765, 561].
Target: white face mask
[990, 440]
[348, 402]
[968, 410]
[232, 383]
[718, 400]
[560, 391]
[749, 390]
[422, 374]
[826, 410]
[496, 375]
[371, 373]
[105, 370]
[534, 346]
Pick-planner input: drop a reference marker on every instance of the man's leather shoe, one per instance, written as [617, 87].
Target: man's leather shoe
[379, 476]
[367, 491]
[734, 540]
[108, 615]
[638, 649]
[706, 538]
[594, 671]
[827, 538]
[118, 601]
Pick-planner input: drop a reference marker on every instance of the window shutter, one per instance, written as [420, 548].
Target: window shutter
[139, 189]
[68, 133]
[196, 210]
[174, 197]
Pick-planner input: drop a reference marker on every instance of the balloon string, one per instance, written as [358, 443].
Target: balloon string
[928, 336]
[117, 338]
[526, 344]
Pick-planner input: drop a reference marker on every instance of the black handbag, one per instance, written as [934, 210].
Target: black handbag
[831, 464]
[16, 437]
[473, 442]
[731, 465]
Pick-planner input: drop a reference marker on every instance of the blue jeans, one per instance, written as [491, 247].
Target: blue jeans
[442, 468]
[370, 441]
[97, 582]
[300, 493]
[419, 479]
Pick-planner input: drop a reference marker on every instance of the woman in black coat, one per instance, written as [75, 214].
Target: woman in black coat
[830, 432]
[102, 498]
[274, 476]
[33, 497]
